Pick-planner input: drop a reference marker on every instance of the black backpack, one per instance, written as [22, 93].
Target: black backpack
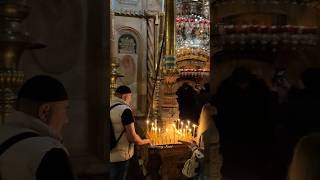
[113, 140]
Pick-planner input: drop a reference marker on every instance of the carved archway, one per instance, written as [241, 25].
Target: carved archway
[132, 65]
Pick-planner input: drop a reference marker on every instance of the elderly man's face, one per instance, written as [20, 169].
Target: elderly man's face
[127, 98]
[57, 116]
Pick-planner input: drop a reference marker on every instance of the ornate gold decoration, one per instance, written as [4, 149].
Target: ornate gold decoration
[13, 42]
[170, 76]
[114, 76]
[193, 28]
[169, 105]
[192, 53]
[170, 23]
[192, 57]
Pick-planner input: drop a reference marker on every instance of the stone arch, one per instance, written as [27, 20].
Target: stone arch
[138, 56]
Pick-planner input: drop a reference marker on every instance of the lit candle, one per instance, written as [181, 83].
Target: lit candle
[151, 135]
[178, 122]
[147, 126]
[152, 128]
[194, 130]
[188, 123]
[174, 133]
[160, 137]
[166, 136]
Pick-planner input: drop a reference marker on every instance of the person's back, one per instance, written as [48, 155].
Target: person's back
[243, 119]
[122, 122]
[208, 139]
[30, 137]
[187, 103]
[303, 110]
[306, 159]
[243, 122]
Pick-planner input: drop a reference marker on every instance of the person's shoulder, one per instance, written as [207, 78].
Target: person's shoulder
[210, 109]
[207, 106]
[118, 103]
[42, 144]
[56, 153]
[8, 131]
[31, 151]
[55, 164]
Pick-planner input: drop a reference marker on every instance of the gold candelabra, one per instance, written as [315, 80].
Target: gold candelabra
[13, 42]
[115, 74]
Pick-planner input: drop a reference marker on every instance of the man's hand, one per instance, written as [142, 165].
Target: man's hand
[146, 141]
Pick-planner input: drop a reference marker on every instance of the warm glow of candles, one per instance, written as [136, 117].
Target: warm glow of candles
[147, 126]
[161, 134]
[178, 123]
[194, 130]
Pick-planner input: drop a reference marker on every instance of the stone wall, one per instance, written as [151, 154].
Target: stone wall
[130, 21]
[76, 34]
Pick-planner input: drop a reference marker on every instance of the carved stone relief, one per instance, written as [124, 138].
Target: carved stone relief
[130, 59]
[127, 44]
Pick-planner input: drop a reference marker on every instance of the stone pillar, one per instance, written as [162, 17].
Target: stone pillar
[155, 37]
[151, 62]
[169, 105]
[115, 74]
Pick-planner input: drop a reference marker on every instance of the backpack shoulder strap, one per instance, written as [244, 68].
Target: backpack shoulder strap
[111, 107]
[15, 139]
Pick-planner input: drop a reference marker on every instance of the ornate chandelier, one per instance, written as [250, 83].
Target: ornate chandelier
[267, 36]
[193, 37]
